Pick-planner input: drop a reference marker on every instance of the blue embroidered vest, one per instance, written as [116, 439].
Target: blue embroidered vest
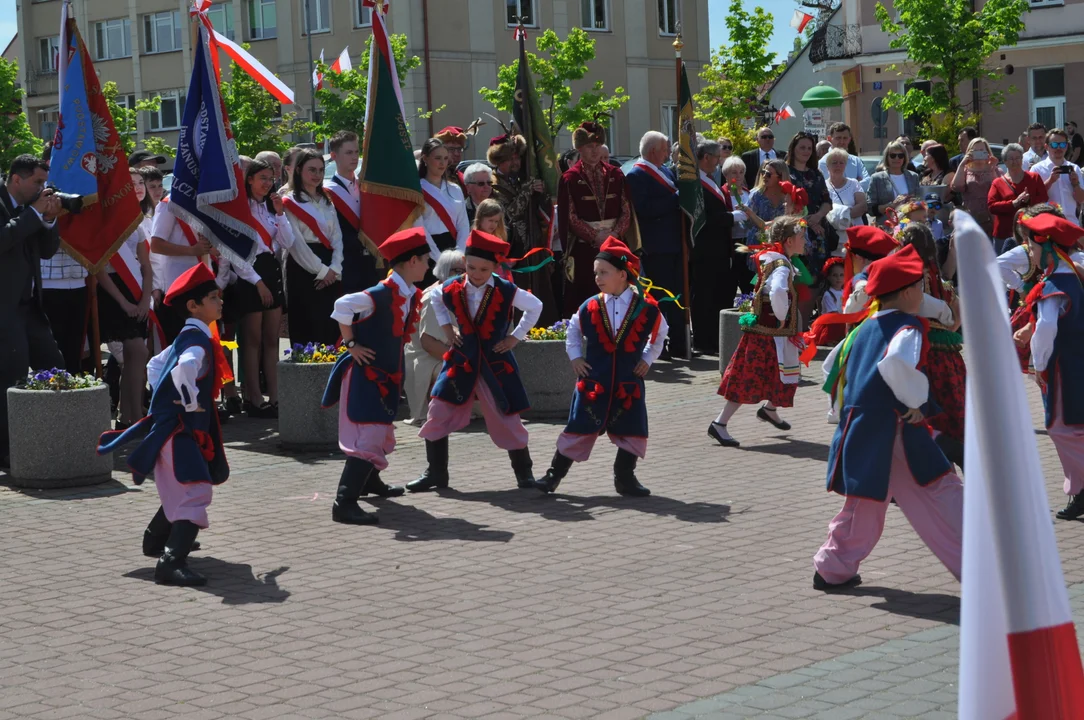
[860, 459]
[373, 396]
[475, 358]
[1063, 373]
[611, 399]
[198, 455]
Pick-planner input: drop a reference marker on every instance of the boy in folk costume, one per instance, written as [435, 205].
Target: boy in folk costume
[475, 311]
[612, 341]
[765, 365]
[180, 439]
[1056, 337]
[883, 448]
[367, 383]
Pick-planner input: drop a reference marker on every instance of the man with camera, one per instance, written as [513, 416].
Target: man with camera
[28, 233]
[1064, 181]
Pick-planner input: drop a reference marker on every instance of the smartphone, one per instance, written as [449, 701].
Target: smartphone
[1063, 170]
[980, 155]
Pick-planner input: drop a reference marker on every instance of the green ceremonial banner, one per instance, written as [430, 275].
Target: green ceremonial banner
[541, 157]
[688, 177]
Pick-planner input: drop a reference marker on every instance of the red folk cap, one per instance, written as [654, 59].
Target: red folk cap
[619, 255]
[895, 272]
[870, 242]
[197, 275]
[486, 246]
[1049, 226]
[403, 242]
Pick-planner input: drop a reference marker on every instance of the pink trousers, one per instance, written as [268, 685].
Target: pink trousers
[578, 447]
[935, 511]
[372, 442]
[443, 419]
[1069, 442]
[180, 501]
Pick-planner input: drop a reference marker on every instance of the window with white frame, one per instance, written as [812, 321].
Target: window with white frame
[363, 16]
[162, 32]
[1048, 96]
[666, 126]
[49, 120]
[668, 17]
[522, 9]
[168, 116]
[262, 20]
[318, 17]
[595, 15]
[221, 17]
[48, 47]
[112, 39]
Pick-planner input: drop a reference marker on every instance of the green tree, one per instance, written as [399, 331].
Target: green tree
[256, 117]
[14, 129]
[124, 118]
[731, 82]
[343, 97]
[566, 62]
[948, 43]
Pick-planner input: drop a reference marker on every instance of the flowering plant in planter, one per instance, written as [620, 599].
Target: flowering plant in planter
[313, 353]
[557, 331]
[57, 379]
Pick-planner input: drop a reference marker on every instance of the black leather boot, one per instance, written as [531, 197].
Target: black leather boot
[377, 487]
[346, 509]
[625, 476]
[559, 467]
[521, 466]
[1074, 508]
[436, 475]
[156, 534]
[172, 568]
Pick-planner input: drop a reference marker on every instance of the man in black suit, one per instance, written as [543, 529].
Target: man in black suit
[28, 233]
[753, 159]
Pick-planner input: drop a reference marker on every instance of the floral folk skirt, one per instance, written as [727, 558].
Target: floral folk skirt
[753, 374]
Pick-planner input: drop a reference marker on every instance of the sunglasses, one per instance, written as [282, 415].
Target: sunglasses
[896, 156]
[726, 147]
[767, 137]
[935, 206]
[1059, 145]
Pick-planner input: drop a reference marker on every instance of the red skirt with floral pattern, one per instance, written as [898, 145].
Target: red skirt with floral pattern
[753, 374]
[948, 382]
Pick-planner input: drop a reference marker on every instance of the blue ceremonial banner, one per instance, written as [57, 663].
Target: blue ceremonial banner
[208, 187]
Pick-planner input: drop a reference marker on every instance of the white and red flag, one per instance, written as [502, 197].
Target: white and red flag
[1019, 657]
[799, 20]
[784, 113]
[342, 63]
[317, 76]
[267, 79]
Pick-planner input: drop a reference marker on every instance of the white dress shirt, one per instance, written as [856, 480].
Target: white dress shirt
[899, 366]
[351, 184]
[18, 208]
[282, 239]
[525, 302]
[1046, 324]
[166, 227]
[1061, 191]
[190, 367]
[432, 223]
[1014, 264]
[303, 237]
[361, 303]
[616, 308]
[932, 308]
[1032, 158]
[855, 169]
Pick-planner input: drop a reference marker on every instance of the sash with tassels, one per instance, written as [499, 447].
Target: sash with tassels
[308, 218]
[438, 203]
[346, 204]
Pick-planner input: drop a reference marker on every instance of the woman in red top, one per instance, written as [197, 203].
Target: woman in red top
[1014, 190]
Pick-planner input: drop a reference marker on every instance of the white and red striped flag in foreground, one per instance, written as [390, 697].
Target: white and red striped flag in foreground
[1018, 651]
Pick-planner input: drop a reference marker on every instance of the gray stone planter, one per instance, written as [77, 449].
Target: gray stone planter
[54, 437]
[729, 336]
[547, 376]
[303, 424]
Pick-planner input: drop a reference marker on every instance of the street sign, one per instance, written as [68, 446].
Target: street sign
[877, 85]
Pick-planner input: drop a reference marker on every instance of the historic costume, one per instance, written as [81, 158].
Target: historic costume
[180, 439]
[456, 137]
[713, 284]
[317, 250]
[360, 263]
[382, 319]
[612, 334]
[876, 454]
[474, 370]
[590, 199]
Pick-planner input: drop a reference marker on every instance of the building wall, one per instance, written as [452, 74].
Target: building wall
[789, 89]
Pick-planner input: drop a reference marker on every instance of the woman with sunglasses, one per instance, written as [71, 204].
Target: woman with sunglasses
[1018, 188]
[973, 179]
[893, 185]
[768, 200]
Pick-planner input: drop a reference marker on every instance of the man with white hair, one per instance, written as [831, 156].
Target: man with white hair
[653, 190]
[478, 179]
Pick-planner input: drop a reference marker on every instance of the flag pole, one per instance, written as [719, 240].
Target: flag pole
[532, 154]
[678, 45]
[312, 86]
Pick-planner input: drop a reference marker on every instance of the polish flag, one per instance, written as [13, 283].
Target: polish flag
[317, 76]
[342, 63]
[256, 70]
[1018, 651]
[799, 20]
[784, 112]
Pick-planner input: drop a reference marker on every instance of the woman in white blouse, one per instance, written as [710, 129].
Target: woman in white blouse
[445, 217]
[256, 298]
[844, 190]
[316, 257]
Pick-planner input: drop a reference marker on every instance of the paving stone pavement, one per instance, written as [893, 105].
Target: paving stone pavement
[483, 601]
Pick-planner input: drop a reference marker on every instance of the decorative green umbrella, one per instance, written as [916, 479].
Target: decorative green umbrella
[821, 96]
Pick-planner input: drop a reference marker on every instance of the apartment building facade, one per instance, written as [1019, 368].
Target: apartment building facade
[145, 47]
[1045, 67]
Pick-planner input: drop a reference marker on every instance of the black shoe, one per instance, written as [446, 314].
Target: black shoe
[121, 426]
[559, 467]
[223, 415]
[376, 486]
[172, 568]
[521, 466]
[157, 533]
[762, 414]
[625, 481]
[823, 585]
[953, 449]
[713, 432]
[346, 509]
[261, 412]
[1073, 509]
[233, 405]
[436, 475]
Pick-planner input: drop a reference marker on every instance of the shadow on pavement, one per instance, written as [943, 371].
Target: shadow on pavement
[105, 489]
[235, 583]
[412, 524]
[681, 372]
[792, 448]
[570, 508]
[928, 606]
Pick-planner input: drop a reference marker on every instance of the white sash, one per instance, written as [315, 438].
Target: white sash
[312, 218]
[711, 187]
[655, 173]
[353, 203]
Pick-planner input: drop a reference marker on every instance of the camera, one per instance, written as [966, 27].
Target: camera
[69, 203]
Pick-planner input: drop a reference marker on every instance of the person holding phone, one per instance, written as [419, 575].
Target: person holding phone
[1063, 179]
[1016, 189]
[976, 174]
